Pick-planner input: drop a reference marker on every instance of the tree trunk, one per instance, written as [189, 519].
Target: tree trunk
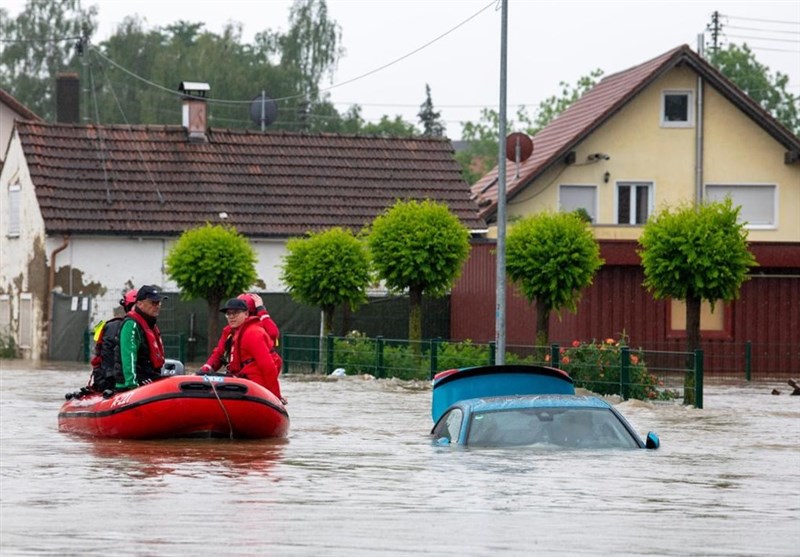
[415, 314]
[693, 305]
[213, 322]
[415, 319]
[542, 324]
[327, 321]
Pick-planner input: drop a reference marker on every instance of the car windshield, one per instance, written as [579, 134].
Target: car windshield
[560, 427]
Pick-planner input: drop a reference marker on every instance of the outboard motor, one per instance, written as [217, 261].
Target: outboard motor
[172, 367]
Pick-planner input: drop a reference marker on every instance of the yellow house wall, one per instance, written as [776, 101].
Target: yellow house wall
[736, 151]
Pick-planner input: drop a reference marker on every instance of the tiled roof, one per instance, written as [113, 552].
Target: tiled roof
[150, 180]
[559, 137]
[11, 102]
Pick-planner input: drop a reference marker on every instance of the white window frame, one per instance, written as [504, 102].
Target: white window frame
[591, 210]
[14, 208]
[709, 188]
[633, 185]
[689, 122]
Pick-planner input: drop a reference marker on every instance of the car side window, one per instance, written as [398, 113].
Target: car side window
[449, 425]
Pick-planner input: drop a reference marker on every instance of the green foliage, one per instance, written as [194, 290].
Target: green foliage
[39, 43]
[327, 269]
[431, 120]
[482, 150]
[554, 105]
[312, 44]
[8, 348]
[212, 262]
[739, 64]
[418, 244]
[596, 366]
[552, 257]
[696, 252]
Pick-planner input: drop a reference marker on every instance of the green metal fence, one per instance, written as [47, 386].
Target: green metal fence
[606, 369]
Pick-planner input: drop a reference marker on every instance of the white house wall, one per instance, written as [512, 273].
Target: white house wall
[105, 268]
[23, 259]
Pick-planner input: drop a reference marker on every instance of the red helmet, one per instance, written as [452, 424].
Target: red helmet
[129, 299]
[251, 304]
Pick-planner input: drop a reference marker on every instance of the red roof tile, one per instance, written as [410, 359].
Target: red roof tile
[150, 180]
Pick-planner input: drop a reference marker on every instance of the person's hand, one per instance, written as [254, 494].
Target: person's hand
[256, 298]
[206, 369]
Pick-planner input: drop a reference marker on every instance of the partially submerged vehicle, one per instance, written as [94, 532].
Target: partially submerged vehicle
[514, 405]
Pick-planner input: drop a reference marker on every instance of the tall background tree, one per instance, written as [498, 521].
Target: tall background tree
[419, 247]
[695, 254]
[431, 119]
[739, 64]
[212, 263]
[552, 257]
[480, 156]
[40, 42]
[327, 269]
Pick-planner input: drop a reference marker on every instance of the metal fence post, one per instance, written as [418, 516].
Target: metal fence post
[624, 372]
[555, 361]
[492, 352]
[285, 352]
[698, 378]
[748, 360]
[434, 355]
[329, 354]
[379, 349]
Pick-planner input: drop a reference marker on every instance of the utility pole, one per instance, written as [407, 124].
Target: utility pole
[716, 30]
[500, 308]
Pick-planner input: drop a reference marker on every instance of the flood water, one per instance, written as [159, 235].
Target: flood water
[359, 476]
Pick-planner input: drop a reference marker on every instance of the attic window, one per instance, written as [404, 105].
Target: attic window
[677, 109]
[14, 195]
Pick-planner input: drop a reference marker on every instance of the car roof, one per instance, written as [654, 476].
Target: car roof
[489, 404]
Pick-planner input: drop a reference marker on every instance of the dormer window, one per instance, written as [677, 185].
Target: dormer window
[677, 109]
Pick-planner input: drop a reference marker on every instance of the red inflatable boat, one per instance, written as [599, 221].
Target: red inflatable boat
[179, 406]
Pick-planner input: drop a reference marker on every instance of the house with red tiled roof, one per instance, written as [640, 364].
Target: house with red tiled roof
[670, 130]
[88, 211]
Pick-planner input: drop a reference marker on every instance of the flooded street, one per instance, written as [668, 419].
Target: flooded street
[358, 475]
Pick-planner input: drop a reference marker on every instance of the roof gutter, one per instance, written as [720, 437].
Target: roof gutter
[698, 141]
[51, 286]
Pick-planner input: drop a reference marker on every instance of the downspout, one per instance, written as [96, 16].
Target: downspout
[50, 287]
[698, 157]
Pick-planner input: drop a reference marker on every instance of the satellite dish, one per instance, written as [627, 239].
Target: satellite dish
[263, 110]
[518, 147]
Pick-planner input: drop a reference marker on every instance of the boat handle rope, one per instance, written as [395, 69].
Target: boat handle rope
[225, 410]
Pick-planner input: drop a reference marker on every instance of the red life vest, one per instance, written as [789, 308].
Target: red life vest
[154, 345]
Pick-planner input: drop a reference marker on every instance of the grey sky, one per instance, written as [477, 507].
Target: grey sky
[548, 42]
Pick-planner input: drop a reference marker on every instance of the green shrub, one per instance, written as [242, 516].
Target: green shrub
[8, 348]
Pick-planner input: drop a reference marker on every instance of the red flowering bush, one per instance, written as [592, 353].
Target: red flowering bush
[597, 365]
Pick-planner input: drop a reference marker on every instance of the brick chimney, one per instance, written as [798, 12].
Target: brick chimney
[194, 110]
[68, 95]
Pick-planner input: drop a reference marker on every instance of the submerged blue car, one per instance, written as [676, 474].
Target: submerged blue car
[501, 406]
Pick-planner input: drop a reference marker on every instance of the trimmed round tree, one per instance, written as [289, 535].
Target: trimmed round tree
[213, 263]
[327, 269]
[695, 253]
[551, 257]
[419, 247]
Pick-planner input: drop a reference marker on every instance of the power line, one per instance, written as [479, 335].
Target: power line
[782, 22]
[293, 97]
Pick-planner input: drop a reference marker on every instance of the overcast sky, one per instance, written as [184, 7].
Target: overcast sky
[548, 42]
